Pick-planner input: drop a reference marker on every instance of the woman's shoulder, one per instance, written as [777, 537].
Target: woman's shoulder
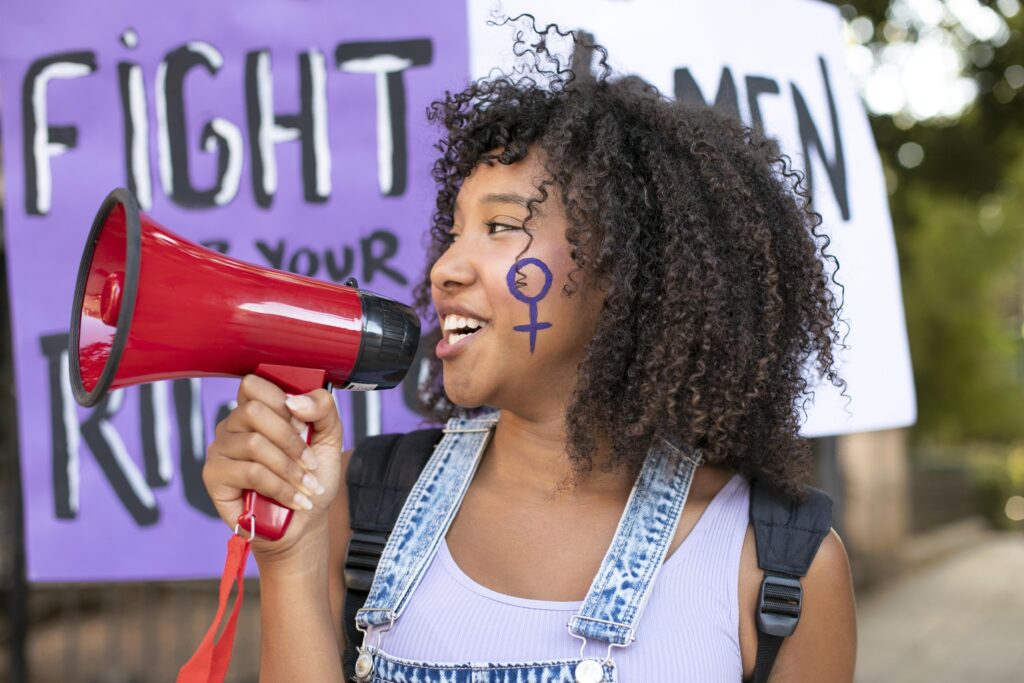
[827, 622]
[710, 480]
[823, 647]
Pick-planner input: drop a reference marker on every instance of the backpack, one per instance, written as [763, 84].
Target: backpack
[384, 468]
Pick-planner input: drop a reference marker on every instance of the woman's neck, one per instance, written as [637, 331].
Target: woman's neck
[530, 455]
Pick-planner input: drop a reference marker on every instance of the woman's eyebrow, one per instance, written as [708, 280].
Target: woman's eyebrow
[505, 198]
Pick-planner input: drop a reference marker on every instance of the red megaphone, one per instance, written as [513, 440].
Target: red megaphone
[150, 305]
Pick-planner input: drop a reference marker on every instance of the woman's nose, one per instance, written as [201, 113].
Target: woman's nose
[453, 269]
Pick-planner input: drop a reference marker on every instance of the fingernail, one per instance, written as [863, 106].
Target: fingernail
[299, 403]
[311, 483]
[308, 459]
[298, 425]
[303, 502]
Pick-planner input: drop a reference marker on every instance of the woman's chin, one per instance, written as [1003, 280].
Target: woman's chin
[464, 395]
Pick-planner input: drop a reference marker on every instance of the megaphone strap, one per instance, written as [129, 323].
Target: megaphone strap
[210, 662]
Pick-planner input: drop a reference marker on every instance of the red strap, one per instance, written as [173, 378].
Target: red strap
[210, 662]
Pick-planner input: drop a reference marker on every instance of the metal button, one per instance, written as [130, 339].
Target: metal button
[364, 666]
[589, 671]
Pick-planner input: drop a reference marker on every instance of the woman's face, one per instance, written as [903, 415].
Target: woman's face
[524, 356]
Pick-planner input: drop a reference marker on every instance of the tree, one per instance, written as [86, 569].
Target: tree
[956, 185]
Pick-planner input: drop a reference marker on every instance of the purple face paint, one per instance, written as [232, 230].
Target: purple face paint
[534, 326]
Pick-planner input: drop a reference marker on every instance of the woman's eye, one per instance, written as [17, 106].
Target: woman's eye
[493, 228]
[502, 227]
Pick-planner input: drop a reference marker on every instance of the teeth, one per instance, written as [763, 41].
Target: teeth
[458, 322]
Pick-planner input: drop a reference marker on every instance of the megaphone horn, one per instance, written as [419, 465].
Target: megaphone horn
[150, 305]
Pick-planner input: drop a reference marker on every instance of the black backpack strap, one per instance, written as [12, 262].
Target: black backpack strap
[380, 475]
[787, 535]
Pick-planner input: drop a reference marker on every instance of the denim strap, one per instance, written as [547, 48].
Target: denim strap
[623, 584]
[425, 518]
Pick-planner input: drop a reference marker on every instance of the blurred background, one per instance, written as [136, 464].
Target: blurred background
[932, 515]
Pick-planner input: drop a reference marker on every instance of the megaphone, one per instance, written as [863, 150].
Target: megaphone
[150, 305]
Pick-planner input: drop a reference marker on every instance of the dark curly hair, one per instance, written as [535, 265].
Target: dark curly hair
[702, 235]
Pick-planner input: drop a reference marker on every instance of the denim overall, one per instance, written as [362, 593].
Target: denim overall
[613, 605]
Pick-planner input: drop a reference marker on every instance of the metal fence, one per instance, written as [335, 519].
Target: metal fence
[126, 633]
[939, 495]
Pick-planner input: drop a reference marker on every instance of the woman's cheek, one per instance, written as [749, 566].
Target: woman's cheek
[536, 277]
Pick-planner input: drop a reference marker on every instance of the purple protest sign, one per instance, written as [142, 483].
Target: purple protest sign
[288, 134]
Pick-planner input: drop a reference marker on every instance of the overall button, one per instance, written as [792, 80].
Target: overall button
[364, 666]
[589, 671]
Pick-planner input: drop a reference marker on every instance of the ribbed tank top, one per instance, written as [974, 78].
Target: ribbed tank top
[689, 630]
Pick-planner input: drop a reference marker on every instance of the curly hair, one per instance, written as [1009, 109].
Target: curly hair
[701, 234]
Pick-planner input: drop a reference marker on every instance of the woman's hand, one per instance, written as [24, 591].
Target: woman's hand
[259, 446]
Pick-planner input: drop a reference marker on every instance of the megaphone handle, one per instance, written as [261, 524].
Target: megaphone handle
[272, 518]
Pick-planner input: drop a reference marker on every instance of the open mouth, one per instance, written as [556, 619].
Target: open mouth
[457, 327]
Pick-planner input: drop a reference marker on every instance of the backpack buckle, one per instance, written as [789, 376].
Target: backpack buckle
[364, 551]
[778, 610]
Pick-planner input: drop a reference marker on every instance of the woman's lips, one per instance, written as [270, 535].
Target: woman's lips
[444, 350]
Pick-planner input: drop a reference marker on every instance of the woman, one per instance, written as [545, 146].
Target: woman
[627, 285]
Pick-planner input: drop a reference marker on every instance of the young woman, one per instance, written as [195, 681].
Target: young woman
[628, 290]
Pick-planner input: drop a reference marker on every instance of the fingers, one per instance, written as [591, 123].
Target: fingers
[226, 477]
[318, 409]
[255, 388]
[261, 465]
[261, 446]
[255, 416]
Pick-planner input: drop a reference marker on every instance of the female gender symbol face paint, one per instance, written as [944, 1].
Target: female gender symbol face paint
[534, 326]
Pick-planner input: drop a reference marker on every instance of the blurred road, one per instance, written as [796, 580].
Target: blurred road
[959, 620]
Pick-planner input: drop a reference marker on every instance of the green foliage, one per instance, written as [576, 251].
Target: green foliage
[961, 276]
[959, 226]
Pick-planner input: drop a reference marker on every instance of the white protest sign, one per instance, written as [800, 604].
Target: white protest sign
[780, 63]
